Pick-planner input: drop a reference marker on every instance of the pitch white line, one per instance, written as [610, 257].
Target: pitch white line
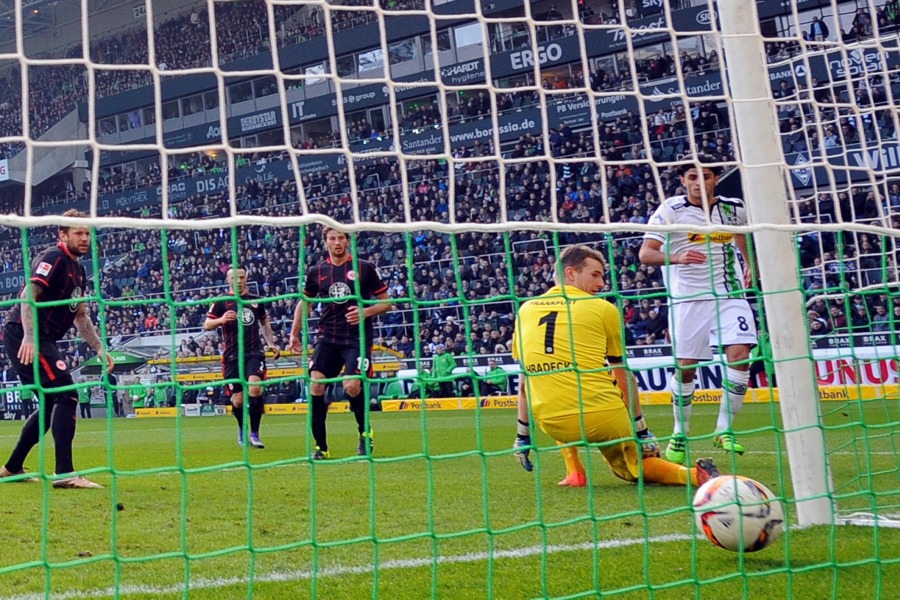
[340, 570]
[838, 453]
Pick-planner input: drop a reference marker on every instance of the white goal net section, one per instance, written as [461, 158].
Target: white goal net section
[465, 143]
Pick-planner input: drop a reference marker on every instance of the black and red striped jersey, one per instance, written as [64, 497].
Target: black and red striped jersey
[341, 284]
[61, 277]
[250, 313]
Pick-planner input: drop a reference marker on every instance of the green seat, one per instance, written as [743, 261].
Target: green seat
[392, 391]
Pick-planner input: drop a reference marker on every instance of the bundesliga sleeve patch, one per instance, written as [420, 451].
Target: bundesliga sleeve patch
[43, 268]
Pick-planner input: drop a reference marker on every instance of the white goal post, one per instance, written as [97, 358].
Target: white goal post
[766, 197]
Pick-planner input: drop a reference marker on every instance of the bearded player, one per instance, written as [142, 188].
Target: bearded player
[57, 274]
[340, 347]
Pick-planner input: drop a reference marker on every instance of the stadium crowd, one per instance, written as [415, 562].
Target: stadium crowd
[182, 42]
[242, 30]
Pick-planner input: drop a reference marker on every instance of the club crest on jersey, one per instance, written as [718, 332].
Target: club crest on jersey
[248, 316]
[351, 275]
[729, 215]
[339, 290]
[61, 365]
[76, 293]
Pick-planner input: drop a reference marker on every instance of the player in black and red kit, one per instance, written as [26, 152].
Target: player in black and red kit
[225, 314]
[340, 346]
[55, 275]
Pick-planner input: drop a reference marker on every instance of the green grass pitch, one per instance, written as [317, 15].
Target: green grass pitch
[443, 511]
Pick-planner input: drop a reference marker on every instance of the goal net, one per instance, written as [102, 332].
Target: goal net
[463, 145]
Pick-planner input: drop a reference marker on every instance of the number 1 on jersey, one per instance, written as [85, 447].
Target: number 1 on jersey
[550, 335]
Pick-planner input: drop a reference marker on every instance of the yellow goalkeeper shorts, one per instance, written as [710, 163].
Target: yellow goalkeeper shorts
[611, 429]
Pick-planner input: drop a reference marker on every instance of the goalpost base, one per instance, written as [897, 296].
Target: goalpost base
[862, 519]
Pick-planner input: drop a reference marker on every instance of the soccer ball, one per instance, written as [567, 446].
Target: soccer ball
[738, 513]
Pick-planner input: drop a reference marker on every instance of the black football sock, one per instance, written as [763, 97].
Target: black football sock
[257, 408]
[62, 425]
[238, 412]
[30, 436]
[358, 406]
[318, 413]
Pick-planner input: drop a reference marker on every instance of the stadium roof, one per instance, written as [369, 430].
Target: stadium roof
[44, 14]
[37, 15]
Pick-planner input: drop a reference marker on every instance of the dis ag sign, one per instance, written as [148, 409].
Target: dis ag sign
[4, 170]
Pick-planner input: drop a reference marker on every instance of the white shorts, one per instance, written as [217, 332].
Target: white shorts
[698, 326]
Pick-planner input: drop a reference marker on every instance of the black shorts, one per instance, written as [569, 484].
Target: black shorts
[329, 359]
[231, 369]
[54, 371]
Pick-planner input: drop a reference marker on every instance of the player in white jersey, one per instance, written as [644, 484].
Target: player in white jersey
[706, 284]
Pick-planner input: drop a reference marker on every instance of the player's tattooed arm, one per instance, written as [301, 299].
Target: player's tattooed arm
[27, 313]
[26, 349]
[86, 329]
[88, 333]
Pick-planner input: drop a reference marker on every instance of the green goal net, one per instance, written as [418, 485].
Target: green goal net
[462, 146]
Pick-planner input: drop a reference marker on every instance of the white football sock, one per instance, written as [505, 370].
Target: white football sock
[733, 393]
[682, 399]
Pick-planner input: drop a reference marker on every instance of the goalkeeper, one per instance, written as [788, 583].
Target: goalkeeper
[570, 345]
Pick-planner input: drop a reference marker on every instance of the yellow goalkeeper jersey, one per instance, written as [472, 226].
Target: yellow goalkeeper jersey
[562, 343]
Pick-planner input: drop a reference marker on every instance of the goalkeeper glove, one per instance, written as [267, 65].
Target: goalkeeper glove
[649, 445]
[646, 440]
[522, 446]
